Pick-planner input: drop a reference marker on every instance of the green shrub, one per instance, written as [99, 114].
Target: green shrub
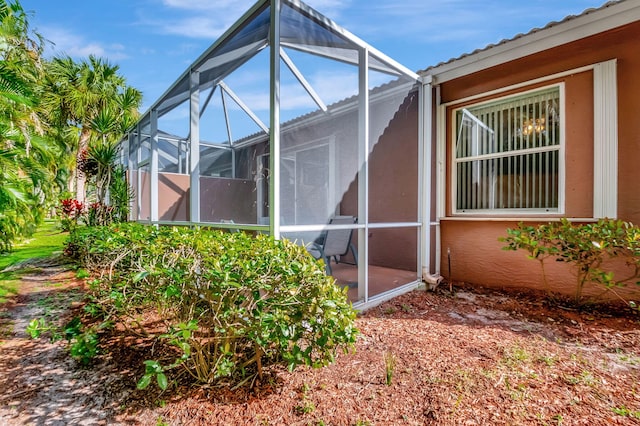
[592, 249]
[82, 342]
[233, 305]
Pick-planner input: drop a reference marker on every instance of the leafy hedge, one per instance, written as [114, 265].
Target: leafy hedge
[593, 249]
[232, 304]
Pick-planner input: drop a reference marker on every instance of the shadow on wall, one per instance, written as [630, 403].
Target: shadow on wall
[220, 198]
[173, 194]
[393, 190]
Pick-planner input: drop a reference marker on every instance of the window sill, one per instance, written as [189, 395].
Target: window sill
[541, 218]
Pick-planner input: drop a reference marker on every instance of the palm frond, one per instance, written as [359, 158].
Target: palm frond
[130, 100]
[105, 122]
[104, 154]
[12, 87]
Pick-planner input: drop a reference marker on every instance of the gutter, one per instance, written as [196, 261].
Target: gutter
[432, 280]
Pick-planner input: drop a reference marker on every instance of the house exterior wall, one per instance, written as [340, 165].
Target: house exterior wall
[393, 187]
[393, 183]
[472, 240]
[393, 174]
[477, 257]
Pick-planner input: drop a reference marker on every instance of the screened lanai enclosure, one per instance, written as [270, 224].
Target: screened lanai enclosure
[290, 125]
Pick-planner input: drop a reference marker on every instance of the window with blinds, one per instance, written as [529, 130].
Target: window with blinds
[507, 154]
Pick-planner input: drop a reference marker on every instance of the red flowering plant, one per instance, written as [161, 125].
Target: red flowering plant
[71, 211]
[99, 214]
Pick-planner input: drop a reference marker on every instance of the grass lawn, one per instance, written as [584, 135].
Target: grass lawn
[47, 240]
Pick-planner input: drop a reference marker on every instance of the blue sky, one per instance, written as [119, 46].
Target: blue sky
[154, 41]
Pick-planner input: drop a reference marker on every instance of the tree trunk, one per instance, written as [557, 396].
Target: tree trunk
[81, 178]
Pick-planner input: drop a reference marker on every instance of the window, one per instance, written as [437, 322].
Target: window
[507, 154]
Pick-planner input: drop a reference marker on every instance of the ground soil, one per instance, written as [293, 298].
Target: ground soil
[471, 357]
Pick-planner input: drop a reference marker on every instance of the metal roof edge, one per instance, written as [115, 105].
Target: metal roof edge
[611, 15]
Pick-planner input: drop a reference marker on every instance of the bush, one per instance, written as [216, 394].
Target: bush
[592, 249]
[82, 342]
[233, 305]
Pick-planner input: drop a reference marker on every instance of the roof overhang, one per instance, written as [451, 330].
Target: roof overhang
[591, 22]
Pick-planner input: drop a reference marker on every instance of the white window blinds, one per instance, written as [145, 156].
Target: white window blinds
[507, 154]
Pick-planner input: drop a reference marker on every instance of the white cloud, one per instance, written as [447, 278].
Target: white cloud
[457, 20]
[194, 27]
[76, 46]
[334, 86]
[240, 6]
[199, 18]
[332, 9]
[425, 21]
[199, 5]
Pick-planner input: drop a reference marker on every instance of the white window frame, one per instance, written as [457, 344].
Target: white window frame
[511, 212]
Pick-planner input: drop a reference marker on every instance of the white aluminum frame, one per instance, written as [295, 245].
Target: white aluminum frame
[303, 81]
[243, 106]
[274, 135]
[194, 143]
[367, 59]
[363, 176]
[561, 158]
[425, 129]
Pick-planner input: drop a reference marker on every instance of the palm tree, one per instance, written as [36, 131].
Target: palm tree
[85, 95]
[27, 161]
[12, 87]
[50, 112]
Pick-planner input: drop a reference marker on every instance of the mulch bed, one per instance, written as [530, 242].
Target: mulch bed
[475, 357]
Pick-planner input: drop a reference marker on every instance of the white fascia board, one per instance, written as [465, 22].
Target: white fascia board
[572, 30]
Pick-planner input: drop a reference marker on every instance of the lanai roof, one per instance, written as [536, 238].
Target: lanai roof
[301, 28]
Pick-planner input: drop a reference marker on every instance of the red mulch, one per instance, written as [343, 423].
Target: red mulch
[474, 358]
